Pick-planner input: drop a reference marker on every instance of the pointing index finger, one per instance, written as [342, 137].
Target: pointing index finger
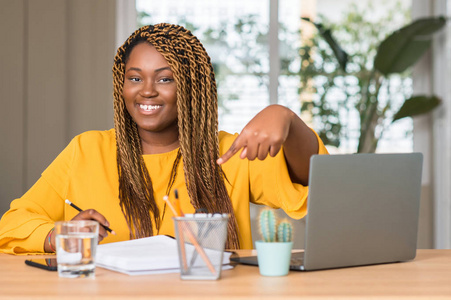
[234, 148]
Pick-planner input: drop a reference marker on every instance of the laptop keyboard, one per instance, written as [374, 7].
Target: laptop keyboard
[297, 259]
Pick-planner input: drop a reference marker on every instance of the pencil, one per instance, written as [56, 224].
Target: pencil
[174, 211]
[180, 229]
[179, 226]
[191, 236]
[79, 209]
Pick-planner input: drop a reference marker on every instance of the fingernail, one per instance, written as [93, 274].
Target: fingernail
[219, 161]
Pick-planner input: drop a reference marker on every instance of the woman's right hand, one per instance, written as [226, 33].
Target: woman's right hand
[89, 214]
[92, 214]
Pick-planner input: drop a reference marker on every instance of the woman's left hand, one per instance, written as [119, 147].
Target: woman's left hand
[264, 135]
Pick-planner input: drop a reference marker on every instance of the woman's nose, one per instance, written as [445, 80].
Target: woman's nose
[148, 90]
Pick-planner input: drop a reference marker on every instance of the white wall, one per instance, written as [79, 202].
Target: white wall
[433, 133]
[441, 130]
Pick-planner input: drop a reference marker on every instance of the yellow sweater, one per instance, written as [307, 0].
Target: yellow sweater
[86, 174]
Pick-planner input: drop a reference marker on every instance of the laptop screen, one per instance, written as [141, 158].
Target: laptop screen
[362, 209]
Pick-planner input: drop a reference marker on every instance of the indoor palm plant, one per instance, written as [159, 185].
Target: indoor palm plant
[372, 83]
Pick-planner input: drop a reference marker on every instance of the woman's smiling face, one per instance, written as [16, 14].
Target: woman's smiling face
[149, 90]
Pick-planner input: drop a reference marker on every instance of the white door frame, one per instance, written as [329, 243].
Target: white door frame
[432, 134]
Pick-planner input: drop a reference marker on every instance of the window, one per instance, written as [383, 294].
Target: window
[237, 35]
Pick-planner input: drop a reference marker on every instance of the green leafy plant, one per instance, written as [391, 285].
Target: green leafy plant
[273, 232]
[372, 83]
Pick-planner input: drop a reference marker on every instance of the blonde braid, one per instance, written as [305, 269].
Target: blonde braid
[135, 186]
[197, 108]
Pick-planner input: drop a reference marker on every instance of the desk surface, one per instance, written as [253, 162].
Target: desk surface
[426, 277]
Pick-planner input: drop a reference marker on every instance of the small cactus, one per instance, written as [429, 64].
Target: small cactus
[284, 231]
[267, 225]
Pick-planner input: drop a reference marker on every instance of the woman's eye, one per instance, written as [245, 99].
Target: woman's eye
[165, 79]
[133, 78]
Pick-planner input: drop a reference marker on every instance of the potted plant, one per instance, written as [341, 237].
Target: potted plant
[274, 250]
[369, 81]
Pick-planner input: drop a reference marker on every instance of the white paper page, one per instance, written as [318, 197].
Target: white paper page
[151, 255]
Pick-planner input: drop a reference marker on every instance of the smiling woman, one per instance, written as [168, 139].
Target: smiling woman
[165, 138]
[150, 95]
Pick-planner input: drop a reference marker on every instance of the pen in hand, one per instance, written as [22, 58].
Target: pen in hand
[80, 210]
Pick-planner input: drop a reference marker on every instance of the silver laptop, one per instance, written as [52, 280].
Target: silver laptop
[362, 209]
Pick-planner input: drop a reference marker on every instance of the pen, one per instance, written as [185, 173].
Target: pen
[79, 209]
[177, 204]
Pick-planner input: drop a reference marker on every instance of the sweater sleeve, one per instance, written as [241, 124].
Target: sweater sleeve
[24, 227]
[270, 185]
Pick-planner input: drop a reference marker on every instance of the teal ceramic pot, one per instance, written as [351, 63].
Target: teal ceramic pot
[273, 258]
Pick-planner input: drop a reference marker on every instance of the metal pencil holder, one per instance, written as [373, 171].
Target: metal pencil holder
[200, 241]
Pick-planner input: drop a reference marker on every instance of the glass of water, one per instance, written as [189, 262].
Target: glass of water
[76, 244]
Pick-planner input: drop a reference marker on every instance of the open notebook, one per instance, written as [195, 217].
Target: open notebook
[151, 255]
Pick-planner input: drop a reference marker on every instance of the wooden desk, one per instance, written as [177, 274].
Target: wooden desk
[426, 277]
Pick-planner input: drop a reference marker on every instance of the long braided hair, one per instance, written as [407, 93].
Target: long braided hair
[197, 108]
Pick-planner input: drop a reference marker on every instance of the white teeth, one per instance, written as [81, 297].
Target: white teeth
[149, 107]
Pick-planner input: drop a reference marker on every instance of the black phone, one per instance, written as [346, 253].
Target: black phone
[48, 264]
